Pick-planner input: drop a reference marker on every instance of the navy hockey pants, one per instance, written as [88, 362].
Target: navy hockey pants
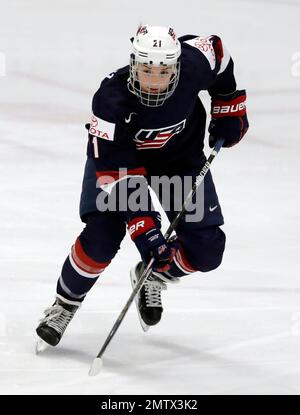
[201, 243]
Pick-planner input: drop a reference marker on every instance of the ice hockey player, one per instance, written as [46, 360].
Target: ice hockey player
[147, 121]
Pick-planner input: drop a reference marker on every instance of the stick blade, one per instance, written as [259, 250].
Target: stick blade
[40, 346]
[96, 367]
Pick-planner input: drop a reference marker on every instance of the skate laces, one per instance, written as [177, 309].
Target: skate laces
[166, 277]
[57, 317]
[153, 289]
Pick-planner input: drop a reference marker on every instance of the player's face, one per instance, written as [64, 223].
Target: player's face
[154, 79]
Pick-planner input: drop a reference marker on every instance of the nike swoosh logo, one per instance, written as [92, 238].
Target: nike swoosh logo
[127, 120]
[211, 209]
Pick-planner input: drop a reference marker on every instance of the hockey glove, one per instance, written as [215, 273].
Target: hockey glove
[229, 118]
[151, 243]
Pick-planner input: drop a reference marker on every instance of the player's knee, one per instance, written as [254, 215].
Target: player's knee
[209, 248]
[211, 263]
[101, 238]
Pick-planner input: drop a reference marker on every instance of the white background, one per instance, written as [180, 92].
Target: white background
[234, 330]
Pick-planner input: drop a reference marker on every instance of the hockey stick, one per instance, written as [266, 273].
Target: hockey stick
[97, 363]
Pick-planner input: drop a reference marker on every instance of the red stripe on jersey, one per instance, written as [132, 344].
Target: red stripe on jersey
[156, 141]
[166, 135]
[110, 176]
[152, 144]
[149, 146]
[183, 261]
[218, 47]
[84, 262]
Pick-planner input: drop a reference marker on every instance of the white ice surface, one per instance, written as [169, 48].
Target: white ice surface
[235, 330]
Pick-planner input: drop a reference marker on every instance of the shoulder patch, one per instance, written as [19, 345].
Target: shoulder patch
[102, 129]
[205, 46]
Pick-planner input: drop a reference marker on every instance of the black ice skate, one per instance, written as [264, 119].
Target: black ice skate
[148, 299]
[53, 325]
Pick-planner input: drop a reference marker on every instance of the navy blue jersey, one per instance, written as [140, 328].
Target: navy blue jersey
[125, 134]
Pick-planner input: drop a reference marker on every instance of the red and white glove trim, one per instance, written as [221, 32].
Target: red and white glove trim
[140, 225]
[233, 108]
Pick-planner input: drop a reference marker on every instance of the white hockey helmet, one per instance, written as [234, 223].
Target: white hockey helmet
[158, 49]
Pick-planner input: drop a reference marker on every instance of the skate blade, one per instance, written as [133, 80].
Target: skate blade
[96, 367]
[41, 346]
[133, 280]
